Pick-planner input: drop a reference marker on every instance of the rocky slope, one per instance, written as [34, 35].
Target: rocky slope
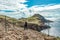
[18, 33]
[10, 30]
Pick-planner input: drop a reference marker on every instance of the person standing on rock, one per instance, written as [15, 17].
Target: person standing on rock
[25, 25]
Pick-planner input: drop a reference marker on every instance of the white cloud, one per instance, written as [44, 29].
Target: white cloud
[12, 4]
[48, 11]
[48, 7]
[15, 5]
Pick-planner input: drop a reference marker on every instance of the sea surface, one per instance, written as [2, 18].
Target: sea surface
[54, 30]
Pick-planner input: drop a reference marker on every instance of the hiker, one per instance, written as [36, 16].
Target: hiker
[25, 25]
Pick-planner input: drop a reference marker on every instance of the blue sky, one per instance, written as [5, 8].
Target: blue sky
[50, 9]
[41, 2]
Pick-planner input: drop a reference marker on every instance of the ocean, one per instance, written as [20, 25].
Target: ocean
[54, 30]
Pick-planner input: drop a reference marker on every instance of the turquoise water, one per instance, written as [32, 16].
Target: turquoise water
[54, 30]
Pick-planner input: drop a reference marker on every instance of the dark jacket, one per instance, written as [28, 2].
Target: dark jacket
[25, 25]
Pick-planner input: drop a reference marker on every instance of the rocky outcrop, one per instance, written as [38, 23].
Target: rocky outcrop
[34, 26]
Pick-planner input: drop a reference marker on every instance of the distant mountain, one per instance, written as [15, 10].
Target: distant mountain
[39, 16]
[36, 19]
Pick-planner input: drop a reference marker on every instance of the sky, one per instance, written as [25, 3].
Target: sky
[50, 9]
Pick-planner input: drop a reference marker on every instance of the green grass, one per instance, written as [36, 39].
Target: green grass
[8, 18]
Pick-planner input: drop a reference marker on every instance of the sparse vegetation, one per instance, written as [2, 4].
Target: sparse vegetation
[18, 33]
